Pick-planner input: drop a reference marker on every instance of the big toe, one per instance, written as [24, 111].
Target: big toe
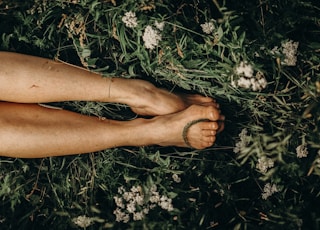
[211, 112]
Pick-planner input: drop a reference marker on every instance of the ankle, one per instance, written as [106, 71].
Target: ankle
[122, 90]
[140, 92]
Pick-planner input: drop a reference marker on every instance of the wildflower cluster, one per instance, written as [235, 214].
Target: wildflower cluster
[264, 163]
[137, 203]
[302, 151]
[208, 27]
[246, 79]
[83, 221]
[289, 49]
[151, 35]
[159, 25]
[287, 52]
[130, 19]
[243, 142]
[269, 190]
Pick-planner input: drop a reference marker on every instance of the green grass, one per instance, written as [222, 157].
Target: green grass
[221, 187]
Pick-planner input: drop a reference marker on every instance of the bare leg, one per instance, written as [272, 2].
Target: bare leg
[28, 79]
[31, 131]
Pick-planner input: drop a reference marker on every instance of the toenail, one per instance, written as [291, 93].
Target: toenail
[213, 115]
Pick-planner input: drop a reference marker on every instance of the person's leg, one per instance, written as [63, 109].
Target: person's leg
[32, 131]
[29, 79]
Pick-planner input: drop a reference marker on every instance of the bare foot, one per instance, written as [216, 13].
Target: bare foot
[169, 130]
[151, 101]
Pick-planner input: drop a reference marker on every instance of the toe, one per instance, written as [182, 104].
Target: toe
[213, 113]
[208, 133]
[206, 144]
[209, 139]
[209, 126]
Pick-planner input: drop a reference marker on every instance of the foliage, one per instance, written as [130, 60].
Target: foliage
[260, 59]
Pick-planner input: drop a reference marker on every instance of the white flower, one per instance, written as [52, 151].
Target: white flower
[127, 196]
[247, 79]
[244, 82]
[151, 37]
[255, 84]
[289, 49]
[260, 82]
[207, 27]
[139, 199]
[245, 69]
[146, 210]
[269, 190]
[155, 197]
[159, 25]
[121, 190]
[132, 203]
[302, 151]
[135, 189]
[131, 207]
[82, 221]
[264, 163]
[165, 203]
[243, 134]
[244, 140]
[138, 216]
[176, 178]
[130, 19]
[121, 216]
[118, 201]
[263, 82]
